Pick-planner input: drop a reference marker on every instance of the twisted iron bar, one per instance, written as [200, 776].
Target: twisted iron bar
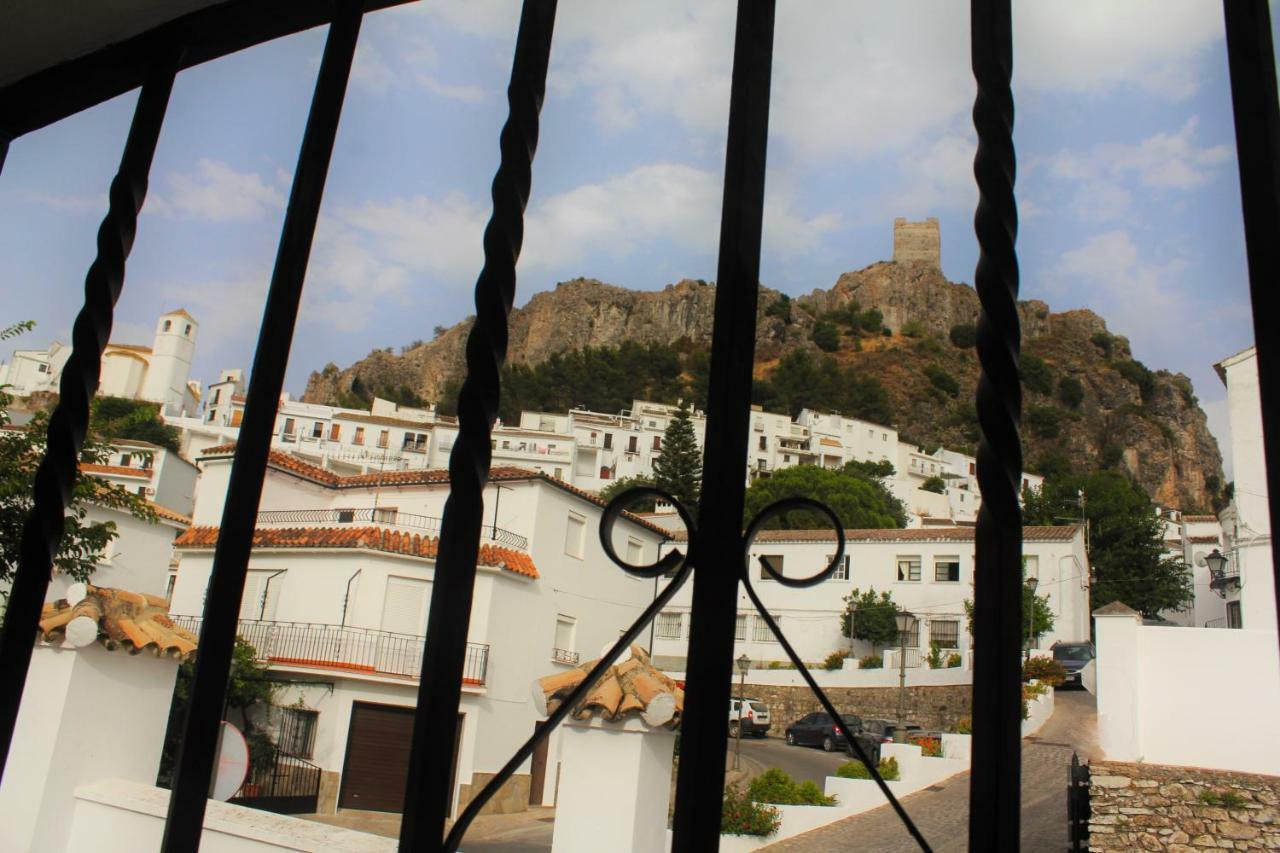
[995, 780]
[69, 423]
[439, 689]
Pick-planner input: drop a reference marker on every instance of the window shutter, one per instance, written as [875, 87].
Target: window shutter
[404, 607]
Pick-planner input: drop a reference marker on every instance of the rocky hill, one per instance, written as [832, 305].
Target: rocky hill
[1087, 403]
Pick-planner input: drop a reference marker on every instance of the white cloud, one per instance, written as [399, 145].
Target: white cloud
[216, 192]
[466, 94]
[369, 69]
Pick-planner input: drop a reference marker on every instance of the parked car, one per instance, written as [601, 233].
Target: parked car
[1074, 656]
[820, 729]
[754, 719]
[886, 731]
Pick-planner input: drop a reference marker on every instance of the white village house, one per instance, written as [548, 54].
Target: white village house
[338, 593]
[928, 571]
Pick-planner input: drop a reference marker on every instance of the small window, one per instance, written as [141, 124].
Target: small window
[384, 438]
[346, 516]
[42, 368]
[168, 587]
[608, 441]
[884, 436]
[635, 551]
[946, 569]
[142, 490]
[842, 570]
[217, 395]
[740, 627]
[774, 561]
[764, 442]
[335, 432]
[565, 629]
[912, 637]
[786, 458]
[657, 442]
[168, 324]
[289, 426]
[574, 535]
[297, 733]
[317, 430]
[559, 474]
[386, 514]
[633, 444]
[187, 330]
[762, 634]
[126, 459]
[973, 468]
[669, 625]
[944, 632]
[908, 568]
[359, 436]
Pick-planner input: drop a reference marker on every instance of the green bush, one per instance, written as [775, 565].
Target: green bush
[1104, 342]
[1111, 456]
[888, 768]
[835, 660]
[780, 309]
[1138, 373]
[913, 329]
[1043, 421]
[826, 336]
[1225, 799]
[929, 346]
[963, 726]
[871, 320]
[1036, 375]
[942, 380]
[871, 662]
[934, 484]
[1070, 392]
[777, 787]
[1045, 670]
[740, 816]
[935, 655]
[953, 660]
[964, 335]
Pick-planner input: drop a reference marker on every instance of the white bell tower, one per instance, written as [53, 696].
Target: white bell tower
[171, 356]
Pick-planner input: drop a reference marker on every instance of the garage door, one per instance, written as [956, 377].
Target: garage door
[377, 762]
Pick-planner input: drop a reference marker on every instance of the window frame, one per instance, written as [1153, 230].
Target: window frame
[913, 561]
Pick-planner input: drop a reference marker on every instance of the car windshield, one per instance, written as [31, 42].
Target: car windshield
[1077, 652]
[759, 707]
[853, 721]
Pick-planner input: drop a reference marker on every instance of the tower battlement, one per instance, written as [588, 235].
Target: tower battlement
[917, 241]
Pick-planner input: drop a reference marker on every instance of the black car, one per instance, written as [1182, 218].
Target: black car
[820, 729]
[885, 731]
[1073, 656]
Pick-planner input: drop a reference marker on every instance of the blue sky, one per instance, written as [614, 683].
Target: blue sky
[1127, 179]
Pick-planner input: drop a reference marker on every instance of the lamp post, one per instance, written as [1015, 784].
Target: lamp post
[906, 621]
[743, 664]
[1031, 584]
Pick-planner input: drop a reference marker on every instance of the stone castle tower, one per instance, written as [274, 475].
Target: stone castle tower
[917, 241]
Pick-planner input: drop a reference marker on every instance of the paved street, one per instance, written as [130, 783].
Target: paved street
[800, 762]
[942, 813]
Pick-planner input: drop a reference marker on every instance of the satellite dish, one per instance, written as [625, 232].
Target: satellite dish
[232, 765]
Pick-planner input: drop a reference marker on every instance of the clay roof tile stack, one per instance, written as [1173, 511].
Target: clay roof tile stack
[125, 620]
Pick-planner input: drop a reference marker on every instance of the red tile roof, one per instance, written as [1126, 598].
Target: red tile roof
[168, 514]
[1059, 533]
[115, 470]
[128, 620]
[418, 477]
[1200, 519]
[372, 538]
[1203, 540]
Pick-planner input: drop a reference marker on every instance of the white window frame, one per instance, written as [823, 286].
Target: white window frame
[575, 534]
[913, 564]
[670, 625]
[842, 571]
[933, 625]
[946, 560]
[740, 627]
[761, 632]
[777, 566]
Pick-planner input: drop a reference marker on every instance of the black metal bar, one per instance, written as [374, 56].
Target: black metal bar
[427, 792]
[704, 735]
[995, 782]
[1251, 58]
[194, 766]
[57, 473]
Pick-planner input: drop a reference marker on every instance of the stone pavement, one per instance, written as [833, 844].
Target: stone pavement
[942, 812]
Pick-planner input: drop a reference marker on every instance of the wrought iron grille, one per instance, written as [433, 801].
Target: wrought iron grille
[152, 59]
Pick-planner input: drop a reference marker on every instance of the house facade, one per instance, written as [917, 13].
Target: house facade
[928, 571]
[337, 597]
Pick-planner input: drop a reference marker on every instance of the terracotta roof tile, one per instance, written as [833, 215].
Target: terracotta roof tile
[383, 420]
[1059, 533]
[116, 470]
[831, 442]
[1203, 540]
[168, 514]
[124, 619]
[1200, 519]
[372, 538]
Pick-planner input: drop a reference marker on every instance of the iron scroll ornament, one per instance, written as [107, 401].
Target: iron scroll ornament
[679, 566]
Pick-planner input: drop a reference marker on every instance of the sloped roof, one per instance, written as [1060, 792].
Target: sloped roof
[368, 537]
[129, 620]
[1200, 519]
[169, 514]
[115, 470]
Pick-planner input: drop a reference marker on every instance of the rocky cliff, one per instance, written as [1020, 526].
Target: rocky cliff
[1087, 402]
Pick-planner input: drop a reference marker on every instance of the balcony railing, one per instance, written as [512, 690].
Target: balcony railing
[385, 517]
[341, 647]
[564, 656]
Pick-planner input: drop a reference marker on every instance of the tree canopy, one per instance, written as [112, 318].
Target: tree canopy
[858, 500]
[869, 617]
[117, 417]
[677, 469]
[619, 486]
[1126, 538]
[801, 381]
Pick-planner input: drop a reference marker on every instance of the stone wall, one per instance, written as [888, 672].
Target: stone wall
[1181, 809]
[933, 707]
[917, 241]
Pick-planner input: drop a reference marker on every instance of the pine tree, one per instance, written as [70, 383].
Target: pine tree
[677, 469]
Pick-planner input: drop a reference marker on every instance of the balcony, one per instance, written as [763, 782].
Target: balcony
[384, 518]
[565, 656]
[343, 648]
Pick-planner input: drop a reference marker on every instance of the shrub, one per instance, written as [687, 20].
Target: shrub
[886, 331]
[929, 346]
[1111, 456]
[780, 309]
[1225, 799]
[913, 329]
[826, 336]
[963, 726]
[1045, 670]
[942, 380]
[1070, 392]
[1138, 373]
[1104, 342]
[740, 816]
[935, 655]
[871, 320]
[953, 660]
[935, 484]
[781, 664]
[777, 787]
[930, 746]
[1043, 421]
[888, 768]
[964, 335]
[871, 662]
[835, 660]
[1036, 375]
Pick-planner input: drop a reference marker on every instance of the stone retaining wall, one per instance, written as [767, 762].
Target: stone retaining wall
[933, 707]
[1181, 809]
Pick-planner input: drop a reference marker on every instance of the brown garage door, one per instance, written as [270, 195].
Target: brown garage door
[377, 762]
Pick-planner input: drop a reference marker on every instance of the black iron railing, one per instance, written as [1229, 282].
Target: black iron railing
[342, 647]
[565, 656]
[284, 784]
[383, 518]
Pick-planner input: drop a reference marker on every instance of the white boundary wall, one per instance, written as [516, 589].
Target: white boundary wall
[1195, 697]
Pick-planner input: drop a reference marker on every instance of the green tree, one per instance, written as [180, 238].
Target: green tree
[870, 617]
[83, 541]
[935, 484]
[678, 466]
[872, 320]
[1126, 537]
[858, 500]
[964, 335]
[1042, 620]
[1036, 375]
[781, 309]
[1070, 392]
[942, 380]
[826, 336]
[117, 417]
[617, 487]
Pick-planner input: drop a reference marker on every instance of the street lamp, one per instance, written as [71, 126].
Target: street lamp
[906, 621]
[743, 664]
[1031, 584]
[1216, 562]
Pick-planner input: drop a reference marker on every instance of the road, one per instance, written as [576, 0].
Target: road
[942, 811]
[800, 762]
